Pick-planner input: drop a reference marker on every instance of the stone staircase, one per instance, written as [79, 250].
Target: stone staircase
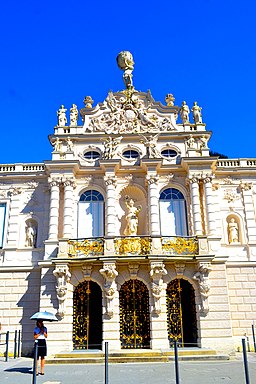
[134, 356]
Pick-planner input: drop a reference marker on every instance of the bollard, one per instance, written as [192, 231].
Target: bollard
[176, 362]
[7, 346]
[106, 362]
[15, 344]
[246, 371]
[19, 341]
[35, 362]
[253, 336]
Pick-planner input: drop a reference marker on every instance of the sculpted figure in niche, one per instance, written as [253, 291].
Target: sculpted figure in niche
[132, 220]
[184, 113]
[197, 115]
[233, 233]
[31, 233]
[62, 119]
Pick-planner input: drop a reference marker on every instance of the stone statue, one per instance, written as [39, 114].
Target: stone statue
[62, 119]
[57, 145]
[191, 142]
[131, 217]
[184, 113]
[70, 145]
[31, 233]
[197, 115]
[151, 143]
[73, 115]
[203, 142]
[88, 102]
[110, 146]
[125, 63]
[233, 233]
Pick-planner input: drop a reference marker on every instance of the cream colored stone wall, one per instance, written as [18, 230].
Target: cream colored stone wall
[242, 298]
[19, 299]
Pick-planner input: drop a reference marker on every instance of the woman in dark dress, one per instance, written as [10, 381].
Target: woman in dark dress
[40, 334]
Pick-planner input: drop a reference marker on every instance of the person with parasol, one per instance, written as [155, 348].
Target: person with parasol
[40, 334]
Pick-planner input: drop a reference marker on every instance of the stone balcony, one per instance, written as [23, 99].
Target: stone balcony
[134, 246]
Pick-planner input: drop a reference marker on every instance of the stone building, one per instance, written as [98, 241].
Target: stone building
[132, 233]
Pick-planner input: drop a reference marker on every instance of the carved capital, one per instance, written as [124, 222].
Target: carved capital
[180, 268]
[87, 271]
[152, 179]
[246, 186]
[54, 182]
[110, 180]
[69, 183]
[133, 269]
[207, 179]
[14, 191]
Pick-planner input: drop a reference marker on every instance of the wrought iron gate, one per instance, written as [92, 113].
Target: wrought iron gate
[134, 315]
[181, 312]
[87, 316]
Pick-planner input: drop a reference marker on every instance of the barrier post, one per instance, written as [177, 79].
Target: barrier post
[35, 362]
[253, 336]
[246, 371]
[176, 362]
[15, 344]
[106, 362]
[19, 341]
[7, 346]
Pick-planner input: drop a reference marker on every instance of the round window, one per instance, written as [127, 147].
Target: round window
[168, 153]
[131, 154]
[91, 155]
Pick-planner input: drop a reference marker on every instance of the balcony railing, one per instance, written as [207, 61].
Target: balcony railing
[174, 245]
[86, 247]
[132, 246]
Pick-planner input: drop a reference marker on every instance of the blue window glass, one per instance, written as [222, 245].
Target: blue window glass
[131, 154]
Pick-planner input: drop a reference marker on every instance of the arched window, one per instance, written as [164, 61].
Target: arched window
[90, 215]
[173, 213]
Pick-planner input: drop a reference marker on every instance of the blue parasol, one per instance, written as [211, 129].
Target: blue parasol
[45, 316]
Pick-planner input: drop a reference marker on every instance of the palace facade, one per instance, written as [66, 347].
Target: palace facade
[132, 233]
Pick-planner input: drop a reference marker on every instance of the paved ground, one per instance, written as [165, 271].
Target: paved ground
[19, 371]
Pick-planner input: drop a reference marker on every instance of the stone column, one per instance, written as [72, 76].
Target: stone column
[13, 223]
[153, 204]
[110, 181]
[196, 209]
[68, 208]
[249, 211]
[210, 207]
[54, 209]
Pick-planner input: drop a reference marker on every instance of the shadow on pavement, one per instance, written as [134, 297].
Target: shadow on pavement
[21, 370]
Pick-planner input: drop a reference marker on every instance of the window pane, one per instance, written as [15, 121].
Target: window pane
[173, 213]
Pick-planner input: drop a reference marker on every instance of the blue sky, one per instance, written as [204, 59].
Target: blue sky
[56, 52]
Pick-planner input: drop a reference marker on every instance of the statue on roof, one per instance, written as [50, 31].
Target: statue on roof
[184, 113]
[62, 119]
[73, 115]
[197, 115]
[125, 63]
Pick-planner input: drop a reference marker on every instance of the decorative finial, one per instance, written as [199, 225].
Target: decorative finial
[125, 63]
[88, 101]
[169, 98]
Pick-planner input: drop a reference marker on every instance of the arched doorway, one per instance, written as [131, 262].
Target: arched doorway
[134, 315]
[87, 316]
[181, 312]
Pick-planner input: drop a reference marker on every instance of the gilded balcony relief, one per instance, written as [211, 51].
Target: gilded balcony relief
[86, 247]
[133, 246]
[180, 246]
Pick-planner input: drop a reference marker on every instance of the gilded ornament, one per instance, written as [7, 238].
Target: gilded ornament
[88, 247]
[180, 246]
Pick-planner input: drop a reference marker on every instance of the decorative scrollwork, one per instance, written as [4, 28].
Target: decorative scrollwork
[133, 246]
[180, 245]
[87, 247]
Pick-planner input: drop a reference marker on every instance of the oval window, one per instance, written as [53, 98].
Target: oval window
[169, 153]
[131, 154]
[91, 155]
